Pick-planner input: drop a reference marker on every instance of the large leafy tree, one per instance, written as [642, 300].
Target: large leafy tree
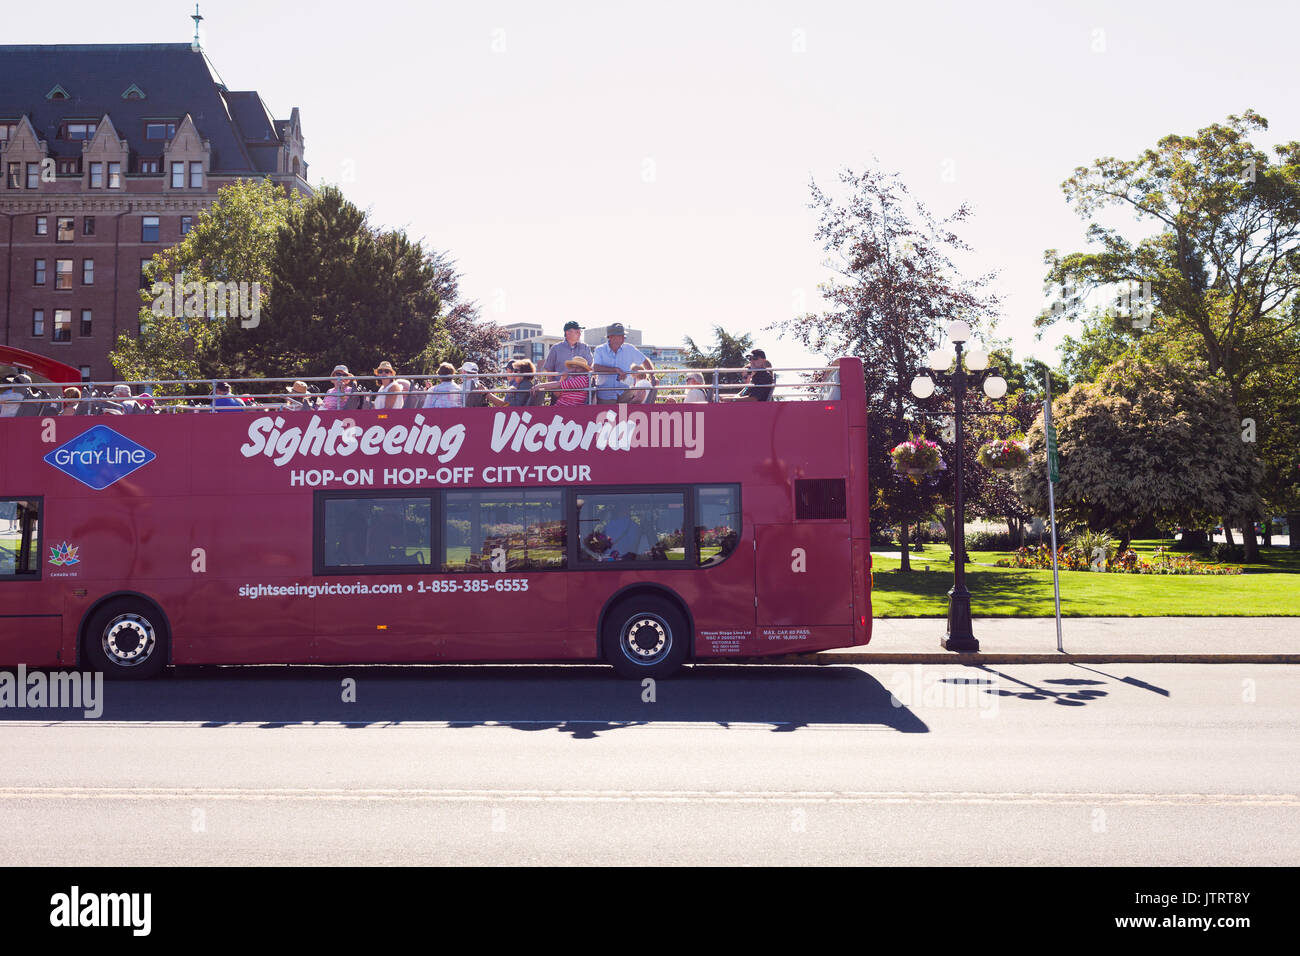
[1224, 263]
[344, 293]
[234, 240]
[1148, 439]
[894, 286]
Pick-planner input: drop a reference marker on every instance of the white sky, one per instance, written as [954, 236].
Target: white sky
[648, 162]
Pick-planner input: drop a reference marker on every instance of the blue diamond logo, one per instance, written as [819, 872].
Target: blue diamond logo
[99, 457]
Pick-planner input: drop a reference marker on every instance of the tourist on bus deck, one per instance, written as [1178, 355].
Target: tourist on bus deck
[519, 389]
[73, 403]
[696, 393]
[224, 401]
[571, 347]
[386, 397]
[343, 386]
[612, 362]
[644, 387]
[446, 394]
[572, 389]
[759, 382]
[298, 397]
[11, 397]
[475, 393]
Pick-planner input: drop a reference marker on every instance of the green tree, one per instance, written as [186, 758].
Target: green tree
[728, 351]
[1148, 439]
[1224, 267]
[894, 286]
[344, 294]
[233, 241]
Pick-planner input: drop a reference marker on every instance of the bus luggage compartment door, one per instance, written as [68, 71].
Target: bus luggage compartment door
[804, 575]
[34, 640]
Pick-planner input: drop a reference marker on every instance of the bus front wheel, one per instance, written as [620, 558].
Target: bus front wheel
[646, 636]
[126, 639]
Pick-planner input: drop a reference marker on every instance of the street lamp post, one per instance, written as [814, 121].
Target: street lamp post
[960, 635]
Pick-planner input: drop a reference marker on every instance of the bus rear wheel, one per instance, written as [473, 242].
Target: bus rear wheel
[126, 639]
[645, 636]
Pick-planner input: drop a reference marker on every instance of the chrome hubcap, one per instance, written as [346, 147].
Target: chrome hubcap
[646, 637]
[129, 640]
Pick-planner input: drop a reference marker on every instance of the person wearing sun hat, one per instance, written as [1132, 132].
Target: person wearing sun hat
[572, 389]
[340, 393]
[389, 394]
[297, 397]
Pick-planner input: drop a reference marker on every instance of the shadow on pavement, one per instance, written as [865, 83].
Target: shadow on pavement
[1024, 690]
[581, 700]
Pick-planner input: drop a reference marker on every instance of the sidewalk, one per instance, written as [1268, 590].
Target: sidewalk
[1087, 640]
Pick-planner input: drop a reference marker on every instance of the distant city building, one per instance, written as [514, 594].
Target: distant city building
[526, 340]
[109, 153]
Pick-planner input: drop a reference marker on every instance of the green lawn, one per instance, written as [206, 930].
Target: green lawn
[1268, 588]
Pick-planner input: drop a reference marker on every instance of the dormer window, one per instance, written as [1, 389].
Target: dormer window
[78, 131]
[133, 92]
[159, 131]
[58, 93]
[7, 131]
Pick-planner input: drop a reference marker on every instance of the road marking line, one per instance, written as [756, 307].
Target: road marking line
[653, 796]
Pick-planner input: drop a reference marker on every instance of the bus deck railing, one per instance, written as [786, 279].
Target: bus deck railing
[659, 386]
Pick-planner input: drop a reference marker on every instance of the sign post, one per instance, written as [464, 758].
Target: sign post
[1053, 476]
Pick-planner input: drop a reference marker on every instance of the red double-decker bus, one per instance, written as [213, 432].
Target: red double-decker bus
[645, 536]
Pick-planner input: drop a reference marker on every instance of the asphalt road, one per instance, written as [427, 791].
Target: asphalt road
[1031, 765]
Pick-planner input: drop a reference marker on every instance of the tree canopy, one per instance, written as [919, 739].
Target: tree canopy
[893, 289]
[1148, 439]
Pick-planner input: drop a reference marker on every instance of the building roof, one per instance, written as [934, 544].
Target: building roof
[174, 79]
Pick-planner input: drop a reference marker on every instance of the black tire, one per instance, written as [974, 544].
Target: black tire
[645, 635]
[126, 639]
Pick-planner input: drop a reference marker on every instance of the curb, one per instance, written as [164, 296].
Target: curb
[952, 657]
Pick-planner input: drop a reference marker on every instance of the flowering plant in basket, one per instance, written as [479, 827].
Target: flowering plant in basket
[917, 457]
[1003, 455]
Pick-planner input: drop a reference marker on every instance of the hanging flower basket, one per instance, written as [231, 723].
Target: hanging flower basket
[1003, 455]
[916, 458]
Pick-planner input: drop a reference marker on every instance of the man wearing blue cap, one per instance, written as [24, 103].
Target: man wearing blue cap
[572, 347]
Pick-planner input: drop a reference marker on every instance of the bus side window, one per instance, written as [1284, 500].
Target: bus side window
[20, 537]
[717, 517]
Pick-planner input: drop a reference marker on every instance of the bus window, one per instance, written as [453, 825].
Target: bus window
[20, 537]
[717, 522]
[631, 526]
[519, 530]
[377, 532]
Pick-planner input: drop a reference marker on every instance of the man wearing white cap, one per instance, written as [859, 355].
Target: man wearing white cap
[475, 394]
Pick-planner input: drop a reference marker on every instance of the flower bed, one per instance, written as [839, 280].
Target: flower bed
[1003, 455]
[1127, 562]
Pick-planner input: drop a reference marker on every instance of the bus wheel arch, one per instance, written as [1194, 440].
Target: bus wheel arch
[125, 635]
[645, 631]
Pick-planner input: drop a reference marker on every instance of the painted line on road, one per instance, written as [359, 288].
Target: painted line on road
[1284, 800]
[952, 657]
[388, 723]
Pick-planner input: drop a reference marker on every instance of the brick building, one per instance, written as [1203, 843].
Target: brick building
[108, 154]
